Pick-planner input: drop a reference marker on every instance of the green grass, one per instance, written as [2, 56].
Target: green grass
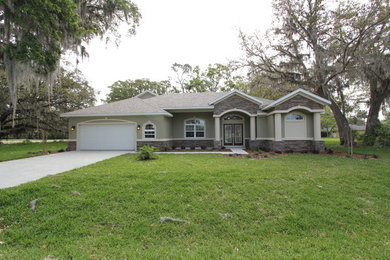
[334, 143]
[293, 206]
[18, 151]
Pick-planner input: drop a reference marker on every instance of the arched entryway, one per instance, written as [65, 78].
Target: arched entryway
[233, 129]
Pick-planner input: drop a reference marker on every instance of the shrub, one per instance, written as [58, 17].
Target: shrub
[248, 156]
[348, 155]
[330, 151]
[365, 156]
[147, 152]
[166, 147]
[272, 153]
[382, 132]
[375, 156]
[265, 155]
[381, 137]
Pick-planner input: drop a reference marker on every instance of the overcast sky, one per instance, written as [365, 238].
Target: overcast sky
[197, 32]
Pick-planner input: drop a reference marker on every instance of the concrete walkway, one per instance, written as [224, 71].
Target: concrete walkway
[13, 173]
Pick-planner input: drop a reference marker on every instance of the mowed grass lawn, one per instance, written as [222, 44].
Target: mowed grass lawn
[21, 150]
[293, 206]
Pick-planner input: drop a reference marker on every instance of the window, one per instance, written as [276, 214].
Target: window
[150, 131]
[232, 117]
[194, 128]
[294, 117]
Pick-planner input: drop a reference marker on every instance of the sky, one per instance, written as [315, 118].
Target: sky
[197, 32]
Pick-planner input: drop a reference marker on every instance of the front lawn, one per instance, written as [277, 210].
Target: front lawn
[24, 150]
[293, 206]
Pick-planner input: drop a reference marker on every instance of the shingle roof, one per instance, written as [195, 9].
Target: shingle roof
[154, 105]
[133, 105]
[179, 100]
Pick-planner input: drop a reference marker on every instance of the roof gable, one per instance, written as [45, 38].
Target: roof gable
[146, 94]
[298, 92]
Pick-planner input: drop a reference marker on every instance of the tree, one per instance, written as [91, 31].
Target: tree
[130, 88]
[35, 113]
[35, 34]
[216, 77]
[312, 45]
[373, 60]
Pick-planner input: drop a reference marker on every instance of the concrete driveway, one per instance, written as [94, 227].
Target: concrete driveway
[13, 173]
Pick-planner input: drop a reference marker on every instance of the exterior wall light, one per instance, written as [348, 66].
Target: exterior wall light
[138, 127]
[73, 128]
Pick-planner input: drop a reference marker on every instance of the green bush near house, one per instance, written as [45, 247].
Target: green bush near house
[147, 152]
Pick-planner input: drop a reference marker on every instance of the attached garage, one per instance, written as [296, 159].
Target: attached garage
[107, 137]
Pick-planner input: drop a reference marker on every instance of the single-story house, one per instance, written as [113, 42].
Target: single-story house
[207, 119]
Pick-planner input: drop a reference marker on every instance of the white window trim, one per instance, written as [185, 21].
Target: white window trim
[295, 121]
[236, 120]
[143, 131]
[191, 138]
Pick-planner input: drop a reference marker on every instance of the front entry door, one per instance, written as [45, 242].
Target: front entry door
[233, 134]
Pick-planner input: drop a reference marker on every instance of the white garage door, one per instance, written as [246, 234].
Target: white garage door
[107, 137]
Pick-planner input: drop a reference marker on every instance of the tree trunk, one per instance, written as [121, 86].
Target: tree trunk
[342, 125]
[373, 114]
[341, 120]
[377, 95]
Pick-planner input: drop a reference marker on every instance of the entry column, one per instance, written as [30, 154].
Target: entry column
[317, 126]
[253, 128]
[278, 127]
[217, 129]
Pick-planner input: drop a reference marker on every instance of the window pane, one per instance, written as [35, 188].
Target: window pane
[189, 134]
[190, 128]
[190, 122]
[199, 134]
[294, 117]
[149, 126]
[199, 128]
[149, 135]
[228, 134]
[227, 118]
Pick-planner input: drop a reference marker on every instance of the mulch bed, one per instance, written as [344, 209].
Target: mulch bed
[47, 153]
[193, 150]
[263, 155]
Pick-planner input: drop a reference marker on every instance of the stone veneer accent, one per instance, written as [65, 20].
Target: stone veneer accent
[236, 102]
[299, 100]
[72, 146]
[288, 145]
[161, 145]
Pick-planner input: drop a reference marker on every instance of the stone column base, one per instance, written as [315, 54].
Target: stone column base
[318, 146]
[72, 146]
[217, 144]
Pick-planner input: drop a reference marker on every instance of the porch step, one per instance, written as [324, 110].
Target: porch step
[238, 150]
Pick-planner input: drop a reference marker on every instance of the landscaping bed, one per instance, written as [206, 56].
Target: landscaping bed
[259, 154]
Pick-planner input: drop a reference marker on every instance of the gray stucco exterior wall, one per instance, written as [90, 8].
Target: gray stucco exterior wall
[163, 124]
[178, 123]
